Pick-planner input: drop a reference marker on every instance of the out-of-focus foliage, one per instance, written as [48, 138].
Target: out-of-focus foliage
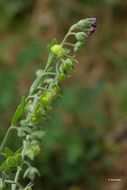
[77, 152]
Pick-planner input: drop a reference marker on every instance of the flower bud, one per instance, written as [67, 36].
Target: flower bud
[85, 23]
[67, 66]
[78, 47]
[94, 22]
[92, 28]
[81, 36]
[57, 50]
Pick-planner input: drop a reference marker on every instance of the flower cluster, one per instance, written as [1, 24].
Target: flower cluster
[62, 62]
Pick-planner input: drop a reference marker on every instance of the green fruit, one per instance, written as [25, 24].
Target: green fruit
[66, 66]
[60, 77]
[55, 90]
[11, 162]
[57, 50]
[18, 159]
[46, 98]
[33, 118]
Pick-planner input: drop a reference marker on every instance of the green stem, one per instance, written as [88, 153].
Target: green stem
[66, 36]
[16, 179]
[14, 186]
[6, 138]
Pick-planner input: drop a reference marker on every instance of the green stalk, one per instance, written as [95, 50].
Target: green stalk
[19, 169]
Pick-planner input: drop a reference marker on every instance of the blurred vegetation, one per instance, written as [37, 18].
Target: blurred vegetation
[87, 131]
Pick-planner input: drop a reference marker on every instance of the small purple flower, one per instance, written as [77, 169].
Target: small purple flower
[92, 28]
[94, 22]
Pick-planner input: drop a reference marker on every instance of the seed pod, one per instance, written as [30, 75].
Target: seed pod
[67, 66]
[57, 50]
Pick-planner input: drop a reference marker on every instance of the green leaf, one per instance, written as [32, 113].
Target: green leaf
[38, 134]
[3, 166]
[19, 111]
[19, 150]
[52, 43]
[23, 130]
[8, 152]
[49, 48]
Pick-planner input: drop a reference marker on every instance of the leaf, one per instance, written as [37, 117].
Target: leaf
[23, 130]
[49, 48]
[52, 43]
[38, 134]
[19, 111]
[30, 154]
[3, 166]
[8, 152]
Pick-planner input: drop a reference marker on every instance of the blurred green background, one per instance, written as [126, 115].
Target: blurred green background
[86, 143]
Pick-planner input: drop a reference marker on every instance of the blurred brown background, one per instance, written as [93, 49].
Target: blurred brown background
[86, 142]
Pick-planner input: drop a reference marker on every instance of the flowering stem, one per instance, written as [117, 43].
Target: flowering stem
[16, 179]
[34, 109]
[6, 138]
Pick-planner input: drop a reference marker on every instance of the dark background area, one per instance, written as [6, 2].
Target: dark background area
[86, 143]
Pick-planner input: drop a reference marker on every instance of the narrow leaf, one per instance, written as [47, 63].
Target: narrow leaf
[19, 150]
[53, 42]
[19, 111]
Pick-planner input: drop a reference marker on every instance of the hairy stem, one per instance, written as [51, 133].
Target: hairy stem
[14, 186]
[16, 178]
